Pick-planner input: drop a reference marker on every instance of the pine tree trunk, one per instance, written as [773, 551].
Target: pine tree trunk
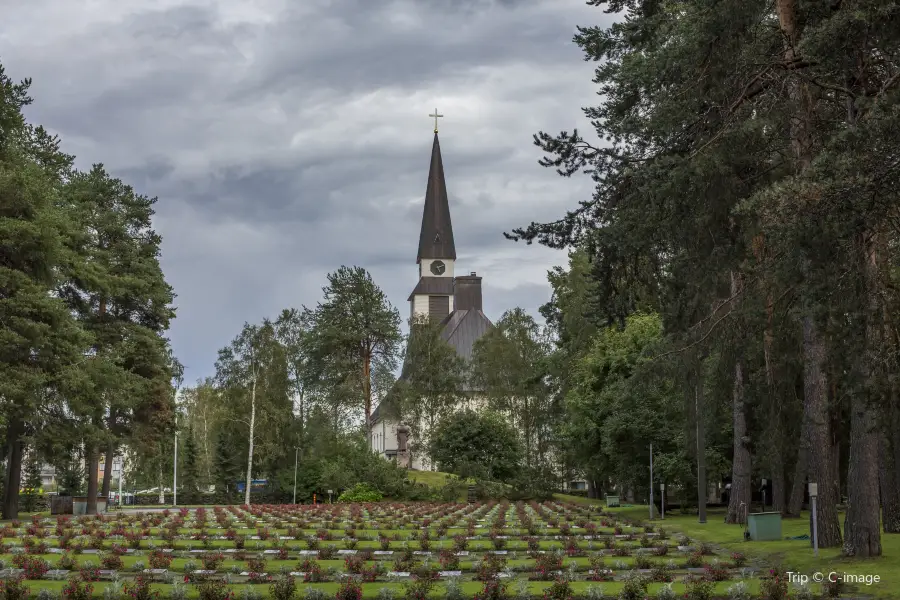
[776, 468]
[798, 484]
[889, 461]
[889, 484]
[107, 469]
[367, 396]
[250, 451]
[739, 502]
[862, 523]
[818, 437]
[701, 449]
[93, 462]
[775, 427]
[13, 478]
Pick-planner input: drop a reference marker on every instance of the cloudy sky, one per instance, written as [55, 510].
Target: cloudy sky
[285, 138]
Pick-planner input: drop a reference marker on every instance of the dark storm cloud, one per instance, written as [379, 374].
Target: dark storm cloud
[286, 138]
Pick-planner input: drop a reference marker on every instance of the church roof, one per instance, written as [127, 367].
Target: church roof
[462, 328]
[433, 286]
[436, 235]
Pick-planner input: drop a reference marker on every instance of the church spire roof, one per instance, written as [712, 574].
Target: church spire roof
[436, 236]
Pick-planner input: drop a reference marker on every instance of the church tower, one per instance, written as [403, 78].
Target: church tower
[433, 296]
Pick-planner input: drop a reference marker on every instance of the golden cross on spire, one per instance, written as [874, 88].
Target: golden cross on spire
[436, 116]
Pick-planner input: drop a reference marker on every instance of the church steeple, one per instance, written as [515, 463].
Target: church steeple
[436, 236]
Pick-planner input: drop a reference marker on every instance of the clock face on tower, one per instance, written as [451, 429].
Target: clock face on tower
[438, 267]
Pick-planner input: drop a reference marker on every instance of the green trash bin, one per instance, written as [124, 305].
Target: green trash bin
[612, 501]
[764, 526]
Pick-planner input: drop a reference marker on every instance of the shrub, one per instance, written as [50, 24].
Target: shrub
[89, 572]
[738, 559]
[312, 593]
[34, 567]
[493, 589]
[159, 560]
[314, 572]
[284, 588]
[212, 560]
[698, 589]
[349, 590]
[635, 588]
[178, 591]
[665, 593]
[715, 572]
[695, 560]
[250, 593]
[489, 567]
[14, 588]
[546, 565]
[560, 589]
[361, 492]
[214, 589]
[739, 591]
[774, 587]
[419, 588]
[256, 565]
[353, 564]
[111, 561]
[832, 589]
[139, 589]
[77, 590]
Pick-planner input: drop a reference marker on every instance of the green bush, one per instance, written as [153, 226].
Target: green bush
[361, 492]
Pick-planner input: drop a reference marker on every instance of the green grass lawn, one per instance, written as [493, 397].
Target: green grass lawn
[434, 479]
[792, 555]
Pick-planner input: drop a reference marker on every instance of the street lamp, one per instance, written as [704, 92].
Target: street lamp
[296, 455]
[813, 492]
[662, 499]
[764, 493]
[175, 474]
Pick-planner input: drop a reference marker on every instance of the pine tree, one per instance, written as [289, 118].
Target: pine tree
[190, 479]
[31, 481]
[356, 325]
[227, 463]
[41, 342]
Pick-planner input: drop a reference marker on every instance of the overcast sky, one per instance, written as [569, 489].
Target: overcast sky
[285, 138]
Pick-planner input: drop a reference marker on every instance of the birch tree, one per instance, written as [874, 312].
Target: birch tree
[239, 371]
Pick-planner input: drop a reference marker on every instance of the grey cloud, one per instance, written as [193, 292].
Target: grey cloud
[286, 138]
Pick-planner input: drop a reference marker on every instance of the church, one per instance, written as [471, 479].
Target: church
[454, 301]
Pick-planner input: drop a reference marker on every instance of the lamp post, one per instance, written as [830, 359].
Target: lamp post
[296, 454]
[175, 474]
[662, 499]
[813, 492]
[121, 472]
[764, 494]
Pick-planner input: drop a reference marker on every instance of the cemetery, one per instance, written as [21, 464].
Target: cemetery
[555, 549]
